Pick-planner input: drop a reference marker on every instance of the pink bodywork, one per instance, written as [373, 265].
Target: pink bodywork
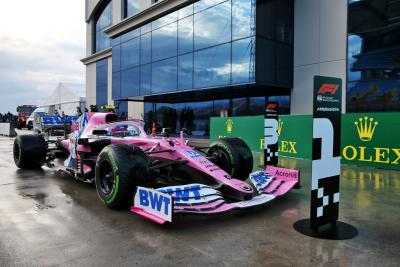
[283, 182]
[179, 149]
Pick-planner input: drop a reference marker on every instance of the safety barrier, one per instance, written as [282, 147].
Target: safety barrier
[368, 139]
[7, 129]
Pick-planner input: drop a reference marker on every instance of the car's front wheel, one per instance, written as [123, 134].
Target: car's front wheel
[232, 155]
[119, 169]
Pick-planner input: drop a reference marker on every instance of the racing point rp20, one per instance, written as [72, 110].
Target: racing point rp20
[156, 176]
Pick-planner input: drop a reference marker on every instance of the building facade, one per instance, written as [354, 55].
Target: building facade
[181, 62]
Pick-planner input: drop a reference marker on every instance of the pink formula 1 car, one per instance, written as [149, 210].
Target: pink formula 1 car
[156, 176]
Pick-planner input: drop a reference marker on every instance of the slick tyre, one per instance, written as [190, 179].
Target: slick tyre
[29, 151]
[119, 169]
[232, 155]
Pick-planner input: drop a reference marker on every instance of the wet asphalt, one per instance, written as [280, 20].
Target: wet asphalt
[49, 219]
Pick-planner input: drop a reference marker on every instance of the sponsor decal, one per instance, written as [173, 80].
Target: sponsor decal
[229, 126]
[366, 127]
[192, 154]
[183, 193]
[154, 202]
[328, 88]
[280, 125]
[283, 172]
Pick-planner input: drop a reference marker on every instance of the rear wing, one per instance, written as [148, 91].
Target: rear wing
[53, 123]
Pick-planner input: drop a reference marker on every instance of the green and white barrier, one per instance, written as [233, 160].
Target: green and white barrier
[368, 139]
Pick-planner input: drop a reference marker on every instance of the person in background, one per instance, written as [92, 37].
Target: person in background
[78, 111]
[62, 113]
[56, 113]
[86, 110]
[93, 108]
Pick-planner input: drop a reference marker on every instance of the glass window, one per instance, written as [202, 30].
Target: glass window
[133, 7]
[116, 58]
[164, 113]
[172, 17]
[212, 26]
[179, 108]
[130, 82]
[239, 106]
[148, 113]
[212, 66]
[243, 24]
[164, 76]
[130, 53]
[130, 35]
[103, 21]
[284, 22]
[203, 4]
[185, 35]
[102, 41]
[283, 102]
[186, 11]
[122, 109]
[266, 19]
[220, 106]
[164, 42]
[116, 41]
[145, 28]
[145, 79]
[256, 106]
[185, 72]
[243, 60]
[101, 82]
[373, 69]
[198, 118]
[116, 85]
[145, 48]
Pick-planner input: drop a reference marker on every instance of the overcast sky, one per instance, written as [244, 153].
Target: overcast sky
[41, 44]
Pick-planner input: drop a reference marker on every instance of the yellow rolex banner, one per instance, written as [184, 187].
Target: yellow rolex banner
[371, 139]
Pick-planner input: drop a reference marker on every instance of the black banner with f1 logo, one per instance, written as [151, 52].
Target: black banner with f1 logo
[271, 134]
[326, 151]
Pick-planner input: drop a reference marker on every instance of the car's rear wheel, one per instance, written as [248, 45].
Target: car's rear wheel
[232, 155]
[119, 169]
[29, 151]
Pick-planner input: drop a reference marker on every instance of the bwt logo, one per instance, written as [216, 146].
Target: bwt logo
[183, 194]
[328, 88]
[154, 200]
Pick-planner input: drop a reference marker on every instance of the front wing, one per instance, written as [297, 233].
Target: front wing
[160, 204]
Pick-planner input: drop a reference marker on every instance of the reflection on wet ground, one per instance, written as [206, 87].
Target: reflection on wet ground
[51, 219]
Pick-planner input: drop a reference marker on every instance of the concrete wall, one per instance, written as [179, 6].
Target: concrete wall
[90, 84]
[90, 6]
[320, 39]
[117, 11]
[135, 110]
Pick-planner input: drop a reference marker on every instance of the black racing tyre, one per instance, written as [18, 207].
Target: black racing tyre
[232, 155]
[119, 169]
[29, 151]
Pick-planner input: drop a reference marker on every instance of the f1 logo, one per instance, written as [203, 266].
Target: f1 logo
[272, 106]
[328, 88]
